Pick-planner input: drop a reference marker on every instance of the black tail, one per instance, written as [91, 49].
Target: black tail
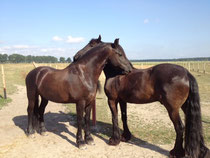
[194, 142]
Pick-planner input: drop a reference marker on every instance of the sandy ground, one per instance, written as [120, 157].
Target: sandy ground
[60, 139]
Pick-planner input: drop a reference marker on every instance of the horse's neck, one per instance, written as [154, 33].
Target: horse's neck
[95, 63]
[110, 72]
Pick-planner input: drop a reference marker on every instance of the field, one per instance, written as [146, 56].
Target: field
[148, 123]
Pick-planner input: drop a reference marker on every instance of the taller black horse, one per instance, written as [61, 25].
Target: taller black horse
[75, 84]
[171, 85]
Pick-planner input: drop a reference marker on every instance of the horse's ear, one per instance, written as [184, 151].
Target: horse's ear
[99, 38]
[116, 42]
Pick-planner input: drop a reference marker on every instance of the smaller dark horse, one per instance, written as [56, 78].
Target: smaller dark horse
[76, 83]
[171, 85]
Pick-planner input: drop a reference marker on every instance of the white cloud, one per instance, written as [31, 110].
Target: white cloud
[21, 46]
[25, 49]
[146, 21]
[56, 38]
[52, 49]
[6, 47]
[71, 39]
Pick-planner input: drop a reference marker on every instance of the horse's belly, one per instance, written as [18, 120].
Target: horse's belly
[138, 98]
[57, 97]
[55, 94]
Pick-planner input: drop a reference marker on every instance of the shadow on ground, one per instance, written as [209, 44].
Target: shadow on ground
[54, 123]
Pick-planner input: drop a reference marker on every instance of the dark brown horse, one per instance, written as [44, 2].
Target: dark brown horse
[75, 84]
[171, 85]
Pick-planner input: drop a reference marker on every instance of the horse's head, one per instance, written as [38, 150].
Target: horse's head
[90, 45]
[117, 60]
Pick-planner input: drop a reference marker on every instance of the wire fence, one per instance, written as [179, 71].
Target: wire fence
[196, 66]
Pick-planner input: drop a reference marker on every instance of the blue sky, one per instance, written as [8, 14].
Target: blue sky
[148, 29]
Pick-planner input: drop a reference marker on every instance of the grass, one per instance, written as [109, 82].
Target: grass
[155, 132]
[15, 75]
[4, 102]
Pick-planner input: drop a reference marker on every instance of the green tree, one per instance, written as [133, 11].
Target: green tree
[62, 60]
[68, 60]
[16, 58]
[3, 58]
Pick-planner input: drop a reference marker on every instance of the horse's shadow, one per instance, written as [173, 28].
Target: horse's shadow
[54, 123]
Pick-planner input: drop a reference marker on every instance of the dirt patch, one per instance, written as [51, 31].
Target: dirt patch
[60, 139]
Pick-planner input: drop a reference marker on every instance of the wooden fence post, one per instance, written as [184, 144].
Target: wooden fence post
[198, 67]
[204, 67]
[4, 83]
[34, 64]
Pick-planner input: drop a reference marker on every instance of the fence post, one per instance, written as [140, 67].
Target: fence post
[204, 67]
[189, 66]
[4, 83]
[34, 64]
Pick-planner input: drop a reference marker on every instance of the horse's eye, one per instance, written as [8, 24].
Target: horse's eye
[120, 54]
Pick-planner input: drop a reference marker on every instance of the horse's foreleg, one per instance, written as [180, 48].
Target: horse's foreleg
[126, 136]
[80, 109]
[115, 139]
[178, 150]
[42, 106]
[88, 137]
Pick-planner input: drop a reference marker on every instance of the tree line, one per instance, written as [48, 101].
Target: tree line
[18, 58]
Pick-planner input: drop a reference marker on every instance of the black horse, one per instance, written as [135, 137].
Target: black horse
[171, 85]
[76, 83]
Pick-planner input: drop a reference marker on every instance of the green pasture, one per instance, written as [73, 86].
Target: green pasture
[155, 132]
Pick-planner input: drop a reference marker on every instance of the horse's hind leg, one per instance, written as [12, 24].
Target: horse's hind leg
[32, 113]
[88, 138]
[42, 106]
[178, 150]
[126, 136]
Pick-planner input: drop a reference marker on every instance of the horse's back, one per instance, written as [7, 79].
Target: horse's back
[32, 76]
[168, 70]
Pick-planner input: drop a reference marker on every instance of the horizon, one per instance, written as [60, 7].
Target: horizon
[147, 29]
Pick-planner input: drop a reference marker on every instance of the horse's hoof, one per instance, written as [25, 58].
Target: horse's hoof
[113, 141]
[177, 154]
[125, 138]
[44, 133]
[89, 140]
[30, 132]
[31, 136]
[82, 146]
